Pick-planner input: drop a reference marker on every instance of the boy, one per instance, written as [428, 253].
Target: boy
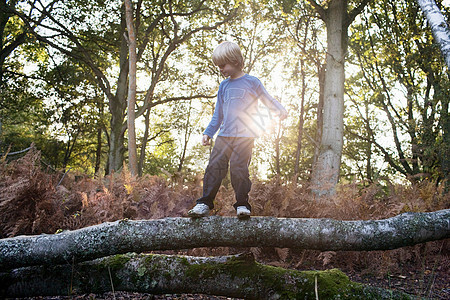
[237, 116]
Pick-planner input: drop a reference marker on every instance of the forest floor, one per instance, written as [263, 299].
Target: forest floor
[36, 201]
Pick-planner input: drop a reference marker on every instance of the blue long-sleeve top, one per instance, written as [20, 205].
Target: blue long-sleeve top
[237, 113]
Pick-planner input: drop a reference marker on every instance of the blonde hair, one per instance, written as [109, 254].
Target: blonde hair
[228, 53]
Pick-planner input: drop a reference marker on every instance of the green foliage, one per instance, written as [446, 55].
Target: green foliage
[401, 86]
[161, 159]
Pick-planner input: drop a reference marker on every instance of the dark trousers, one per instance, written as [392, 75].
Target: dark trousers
[236, 151]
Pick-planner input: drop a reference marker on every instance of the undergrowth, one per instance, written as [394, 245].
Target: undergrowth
[34, 200]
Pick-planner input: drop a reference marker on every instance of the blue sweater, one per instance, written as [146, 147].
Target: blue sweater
[237, 113]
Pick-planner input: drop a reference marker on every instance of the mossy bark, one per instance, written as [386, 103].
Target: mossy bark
[233, 276]
[183, 233]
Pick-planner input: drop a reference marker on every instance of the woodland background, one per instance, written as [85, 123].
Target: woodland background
[63, 98]
[64, 86]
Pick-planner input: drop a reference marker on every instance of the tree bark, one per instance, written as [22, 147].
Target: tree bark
[8, 42]
[185, 233]
[318, 136]
[301, 119]
[98, 152]
[439, 27]
[132, 59]
[144, 142]
[187, 135]
[233, 276]
[117, 103]
[326, 170]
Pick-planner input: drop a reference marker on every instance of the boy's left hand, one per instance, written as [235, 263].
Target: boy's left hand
[283, 115]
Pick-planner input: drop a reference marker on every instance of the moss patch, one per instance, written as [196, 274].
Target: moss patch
[286, 284]
[255, 280]
[116, 262]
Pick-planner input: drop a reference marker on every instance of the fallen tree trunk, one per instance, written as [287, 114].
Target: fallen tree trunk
[233, 276]
[184, 233]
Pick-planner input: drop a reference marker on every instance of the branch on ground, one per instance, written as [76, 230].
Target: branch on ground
[232, 276]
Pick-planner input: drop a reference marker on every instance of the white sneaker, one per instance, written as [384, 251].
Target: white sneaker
[199, 210]
[243, 212]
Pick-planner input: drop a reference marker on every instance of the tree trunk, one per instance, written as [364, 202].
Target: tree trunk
[326, 170]
[118, 105]
[116, 143]
[185, 233]
[301, 120]
[232, 276]
[8, 42]
[439, 27]
[132, 58]
[187, 135]
[444, 152]
[144, 142]
[369, 175]
[277, 151]
[319, 124]
[98, 152]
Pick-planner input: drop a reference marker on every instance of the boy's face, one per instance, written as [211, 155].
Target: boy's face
[229, 70]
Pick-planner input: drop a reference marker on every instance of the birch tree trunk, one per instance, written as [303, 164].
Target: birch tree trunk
[185, 233]
[232, 276]
[439, 27]
[318, 136]
[326, 171]
[132, 58]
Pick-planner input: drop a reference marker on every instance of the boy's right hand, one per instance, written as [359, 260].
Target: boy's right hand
[206, 140]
